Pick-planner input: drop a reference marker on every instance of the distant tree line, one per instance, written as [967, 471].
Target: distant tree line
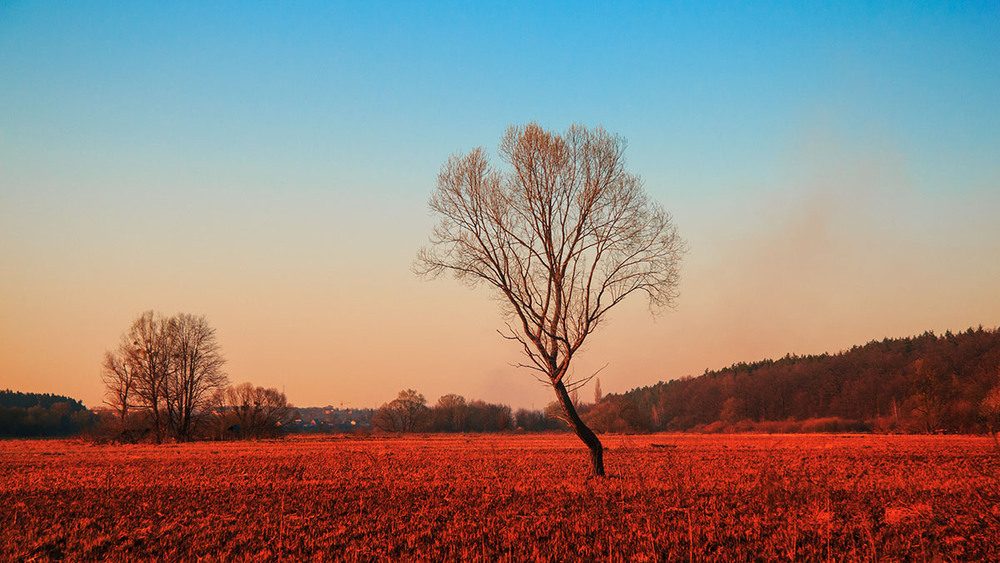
[409, 412]
[928, 383]
[28, 415]
[922, 384]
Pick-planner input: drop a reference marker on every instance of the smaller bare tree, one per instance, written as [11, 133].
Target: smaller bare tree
[252, 411]
[406, 413]
[451, 412]
[148, 352]
[118, 376]
[196, 372]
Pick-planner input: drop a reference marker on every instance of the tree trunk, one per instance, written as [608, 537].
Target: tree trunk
[582, 430]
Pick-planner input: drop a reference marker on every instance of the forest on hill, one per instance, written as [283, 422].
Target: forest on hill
[928, 383]
[41, 414]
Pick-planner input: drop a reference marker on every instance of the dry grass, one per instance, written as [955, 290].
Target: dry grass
[668, 497]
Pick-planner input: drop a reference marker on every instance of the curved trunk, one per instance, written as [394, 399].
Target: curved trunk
[582, 430]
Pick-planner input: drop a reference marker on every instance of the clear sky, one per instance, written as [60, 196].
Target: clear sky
[835, 170]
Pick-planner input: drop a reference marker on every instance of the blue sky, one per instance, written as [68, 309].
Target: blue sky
[293, 92]
[268, 165]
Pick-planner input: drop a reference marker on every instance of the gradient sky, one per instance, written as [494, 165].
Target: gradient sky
[834, 169]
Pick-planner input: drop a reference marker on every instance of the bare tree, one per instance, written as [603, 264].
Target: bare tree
[450, 413]
[166, 369]
[118, 375]
[196, 372]
[253, 411]
[149, 353]
[562, 235]
[406, 413]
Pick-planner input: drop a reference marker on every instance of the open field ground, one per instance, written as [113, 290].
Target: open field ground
[667, 497]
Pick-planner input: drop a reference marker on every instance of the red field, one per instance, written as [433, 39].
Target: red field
[667, 497]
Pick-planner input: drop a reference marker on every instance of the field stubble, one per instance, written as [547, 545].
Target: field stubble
[522, 497]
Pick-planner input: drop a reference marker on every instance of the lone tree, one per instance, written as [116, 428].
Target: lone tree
[563, 234]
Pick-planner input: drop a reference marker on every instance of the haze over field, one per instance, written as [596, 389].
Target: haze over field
[835, 171]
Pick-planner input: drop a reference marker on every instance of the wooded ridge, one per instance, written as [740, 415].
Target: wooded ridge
[926, 383]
